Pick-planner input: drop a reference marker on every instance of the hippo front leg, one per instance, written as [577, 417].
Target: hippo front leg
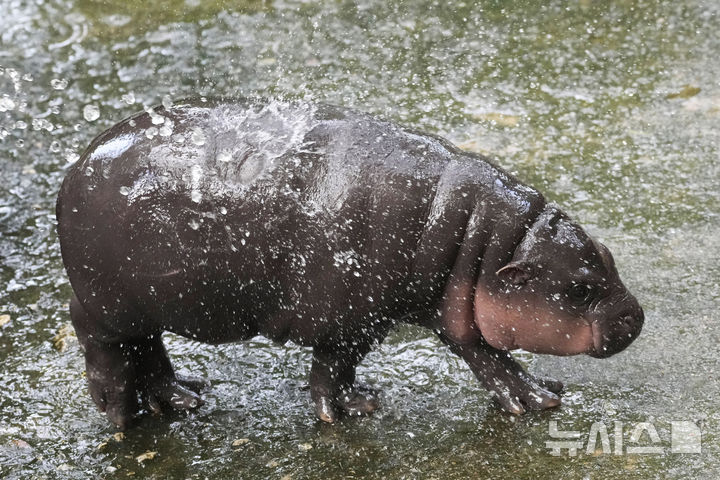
[514, 389]
[332, 383]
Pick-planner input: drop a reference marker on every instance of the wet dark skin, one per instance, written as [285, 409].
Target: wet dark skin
[220, 220]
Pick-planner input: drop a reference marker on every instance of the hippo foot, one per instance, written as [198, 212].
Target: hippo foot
[172, 393]
[522, 393]
[118, 375]
[555, 386]
[359, 400]
[356, 401]
[117, 396]
[114, 395]
[510, 385]
[111, 381]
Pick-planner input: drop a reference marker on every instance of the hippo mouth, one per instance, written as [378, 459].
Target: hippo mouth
[597, 350]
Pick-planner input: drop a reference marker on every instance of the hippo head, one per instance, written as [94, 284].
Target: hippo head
[560, 294]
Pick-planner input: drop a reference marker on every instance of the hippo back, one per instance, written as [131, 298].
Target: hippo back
[285, 209]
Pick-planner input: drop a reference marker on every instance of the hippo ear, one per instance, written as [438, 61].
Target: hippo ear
[516, 273]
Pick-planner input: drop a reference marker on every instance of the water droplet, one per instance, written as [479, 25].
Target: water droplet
[6, 103]
[194, 224]
[42, 124]
[117, 20]
[167, 102]
[20, 125]
[196, 196]
[166, 130]
[223, 210]
[59, 83]
[91, 113]
[55, 146]
[151, 132]
[125, 190]
[198, 137]
[71, 157]
[128, 98]
[155, 118]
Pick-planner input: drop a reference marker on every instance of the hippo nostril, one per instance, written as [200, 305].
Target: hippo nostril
[628, 325]
[633, 320]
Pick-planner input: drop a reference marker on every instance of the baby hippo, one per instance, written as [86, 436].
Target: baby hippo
[223, 219]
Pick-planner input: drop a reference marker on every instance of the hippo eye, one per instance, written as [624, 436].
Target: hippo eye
[580, 293]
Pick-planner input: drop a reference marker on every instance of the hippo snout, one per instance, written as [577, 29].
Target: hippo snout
[613, 336]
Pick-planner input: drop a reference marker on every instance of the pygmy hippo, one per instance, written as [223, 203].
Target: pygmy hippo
[223, 219]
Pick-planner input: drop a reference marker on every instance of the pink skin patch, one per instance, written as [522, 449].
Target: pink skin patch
[508, 322]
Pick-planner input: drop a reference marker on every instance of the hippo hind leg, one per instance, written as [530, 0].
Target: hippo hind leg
[109, 369]
[158, 385]
[119, 371]
[332, 384]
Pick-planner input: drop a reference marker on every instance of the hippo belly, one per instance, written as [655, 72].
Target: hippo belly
[220, 220]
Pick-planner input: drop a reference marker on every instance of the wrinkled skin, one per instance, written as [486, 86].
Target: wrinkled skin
[221, 220]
